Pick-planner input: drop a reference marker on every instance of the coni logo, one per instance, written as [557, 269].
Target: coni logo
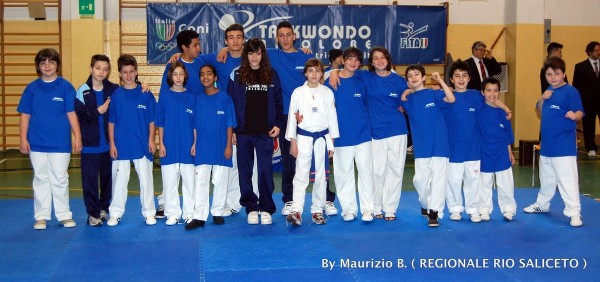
[165, 29]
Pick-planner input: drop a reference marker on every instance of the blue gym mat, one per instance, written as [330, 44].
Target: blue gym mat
[533, 247]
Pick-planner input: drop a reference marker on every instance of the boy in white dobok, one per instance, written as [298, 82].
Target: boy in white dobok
[315, 103]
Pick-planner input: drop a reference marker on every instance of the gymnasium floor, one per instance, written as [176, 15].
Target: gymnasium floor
[532, 247]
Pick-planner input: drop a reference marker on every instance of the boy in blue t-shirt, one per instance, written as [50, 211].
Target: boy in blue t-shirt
[496, 154]
[47, 119]
[560, 108]
[131, 137]
[430, 139]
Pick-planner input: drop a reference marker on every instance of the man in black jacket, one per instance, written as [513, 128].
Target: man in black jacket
[586, 79]
[482, 64]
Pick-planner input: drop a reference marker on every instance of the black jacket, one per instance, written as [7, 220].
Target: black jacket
[86, 108]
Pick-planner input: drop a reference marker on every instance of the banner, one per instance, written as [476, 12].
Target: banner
[412, 34]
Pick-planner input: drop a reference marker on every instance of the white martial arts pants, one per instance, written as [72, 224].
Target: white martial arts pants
[50, 185]
[561, 172]
[220, 177]
[463, 177]
[343, 162]
[430, 182]
[389, 155]
[171, 174]
[301, 178]
[233, 187]
[505, 184]
[121, 170]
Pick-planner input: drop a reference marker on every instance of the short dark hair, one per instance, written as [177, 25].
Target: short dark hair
[555, 64]
[334, 54]
[489, 80]
[459, 65]
[386, 54]
[185, 37]
[235, 27]
[419, 68]
[172, 68]
[353, 52]
[127, 60]
[478, 44]
[313, 62]
[553, 46]
[47, 54]
[99, 58]
[591, 46]
[284, 24]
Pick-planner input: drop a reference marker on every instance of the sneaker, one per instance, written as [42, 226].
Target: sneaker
[150, 220]
[475, 218]
[367, 216]
[576, 221]
[318, 218]
[287, 208]
[40, 224]
[192, 224]
[295, 218]
[113, 221]
[433, 219]
[218, 220]
[508, 216]
[172, 221]
[534, 208]
[485, 217]
[229, 211]
[253, 217]
[409, 149]
[455, 216]
[68, 223]
[160, 213]
[424, 213]
[103, 215]
[265, 218]
[591, 153]
[349, 216]
[330, 208]
[94, 221]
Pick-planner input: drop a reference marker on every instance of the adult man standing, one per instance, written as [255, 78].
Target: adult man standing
[482, 61]
[586, 79]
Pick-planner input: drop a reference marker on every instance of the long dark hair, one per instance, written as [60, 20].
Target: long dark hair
[254, 45]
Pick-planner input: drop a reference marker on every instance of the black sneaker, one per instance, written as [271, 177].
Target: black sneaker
[218, 220]
[424, 213]
[433, 219]
[194, 224]
[160, 213]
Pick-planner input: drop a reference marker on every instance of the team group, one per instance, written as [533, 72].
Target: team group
[217, 115]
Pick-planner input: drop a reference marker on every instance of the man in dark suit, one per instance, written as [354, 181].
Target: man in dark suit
[482, 64]
[586, 79]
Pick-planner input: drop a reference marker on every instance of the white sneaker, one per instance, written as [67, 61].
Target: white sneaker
[455, 216]
[367, 216]
[476, 218]
[94, 221]
[150, 220]
[172, 221]
[103, 215]
[349, 216]
[113, 221]
[265, 218]
[591, 153]
[287, 208]
[576, 221]
[68, 223]
[534, 208]
[253, 217]
[40, 224]
[485, 217]
[508, 216]
[229, 211]
[330, 208]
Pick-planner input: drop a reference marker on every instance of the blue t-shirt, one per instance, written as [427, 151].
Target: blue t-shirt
[48, 104]
[211, 127]
[496, 134]
[352, 113]
[175, 115]
[131, 112]
[290, 68]
[193, 83]
[383, 97]
[558, 132]
[427, 125]
[461, 121]
[223, 69]
[103, 145]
